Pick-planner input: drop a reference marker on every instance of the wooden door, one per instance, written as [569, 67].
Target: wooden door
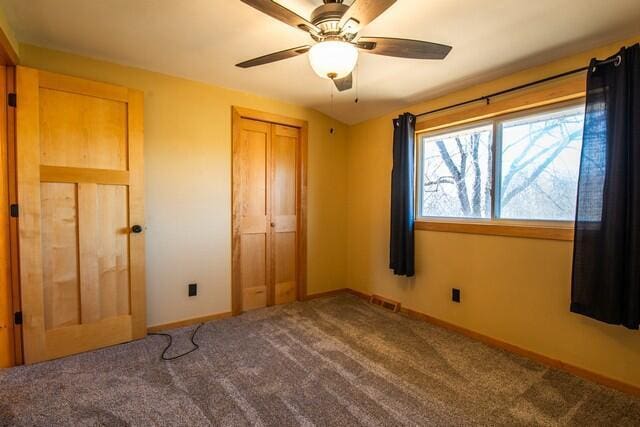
[267, 182]
[284, 216]
[80, 194]
[253, 195]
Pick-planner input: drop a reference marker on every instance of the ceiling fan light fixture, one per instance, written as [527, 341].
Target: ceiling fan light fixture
[333, 59]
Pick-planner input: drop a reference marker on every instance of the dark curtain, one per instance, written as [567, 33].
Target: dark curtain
[606, 255]
[401, 259]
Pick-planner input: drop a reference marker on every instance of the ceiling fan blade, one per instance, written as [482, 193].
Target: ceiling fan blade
[344, 83]
[281, 13]
[273, 57]
[361, 12]
[403, 48]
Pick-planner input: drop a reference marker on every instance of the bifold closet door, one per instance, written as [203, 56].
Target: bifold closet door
[253, 160]
[284, 216]
[266, 166]
[80, 193]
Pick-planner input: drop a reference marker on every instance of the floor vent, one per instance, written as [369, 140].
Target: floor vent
[385, 303]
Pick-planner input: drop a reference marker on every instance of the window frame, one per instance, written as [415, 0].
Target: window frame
[494, 225]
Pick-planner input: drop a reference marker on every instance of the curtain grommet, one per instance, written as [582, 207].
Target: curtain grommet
[617, 61]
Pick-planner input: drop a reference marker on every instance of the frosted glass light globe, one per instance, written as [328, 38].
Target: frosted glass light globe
[333, 59]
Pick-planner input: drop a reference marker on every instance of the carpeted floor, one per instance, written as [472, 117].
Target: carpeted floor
[327, 362]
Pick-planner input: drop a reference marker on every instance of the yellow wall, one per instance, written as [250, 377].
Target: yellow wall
[188, 185]
[8, 31]
[513, 289]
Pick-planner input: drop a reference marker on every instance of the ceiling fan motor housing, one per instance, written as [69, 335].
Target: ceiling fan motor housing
[327, 17]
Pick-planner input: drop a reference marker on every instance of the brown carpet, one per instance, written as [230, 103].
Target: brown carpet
[327, 362]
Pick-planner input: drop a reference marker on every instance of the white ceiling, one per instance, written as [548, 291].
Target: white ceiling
[203, 39]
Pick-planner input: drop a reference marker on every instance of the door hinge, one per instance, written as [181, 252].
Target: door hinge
[12, 99]
[17, 318]
[14, 211]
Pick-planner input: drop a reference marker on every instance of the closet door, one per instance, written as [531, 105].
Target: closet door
[252, 154]
[80, 193]
[285, 142]
[266, 212]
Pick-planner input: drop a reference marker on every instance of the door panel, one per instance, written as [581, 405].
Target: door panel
[254, 270]
[88, 247]
[93, 133]
[254, 156]
[80, 189]
[113, 250]
[285, 143]
[285, 267]
[104, 251]
[60, 255]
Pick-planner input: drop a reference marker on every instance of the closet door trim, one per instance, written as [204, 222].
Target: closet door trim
[239, 113]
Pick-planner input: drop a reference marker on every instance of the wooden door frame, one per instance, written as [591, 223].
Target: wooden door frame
[12, 181]
[237, 114]
[10, 299]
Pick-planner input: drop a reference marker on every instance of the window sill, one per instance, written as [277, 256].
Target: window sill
[530, 230]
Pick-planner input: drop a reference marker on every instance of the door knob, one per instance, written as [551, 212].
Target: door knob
[136, 229]
[273, 224]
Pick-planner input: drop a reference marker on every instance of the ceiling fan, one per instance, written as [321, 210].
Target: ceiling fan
[334, 27]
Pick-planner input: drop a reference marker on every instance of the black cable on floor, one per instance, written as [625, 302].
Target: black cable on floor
[164, 352]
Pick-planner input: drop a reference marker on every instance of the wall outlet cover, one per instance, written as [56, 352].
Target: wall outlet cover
[193, 289]
[455, 295]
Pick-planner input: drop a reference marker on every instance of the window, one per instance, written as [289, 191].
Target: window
[513, 168]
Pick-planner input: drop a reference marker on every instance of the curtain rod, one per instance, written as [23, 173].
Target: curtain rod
[616, 60]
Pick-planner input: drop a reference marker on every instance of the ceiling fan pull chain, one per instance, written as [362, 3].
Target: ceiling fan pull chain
[331, 130]
[357, 82]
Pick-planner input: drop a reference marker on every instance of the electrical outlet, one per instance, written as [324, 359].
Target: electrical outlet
[193, 289]
[455, 295]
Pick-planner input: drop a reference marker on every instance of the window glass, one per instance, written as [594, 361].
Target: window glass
[456, 173]
[539, 163]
